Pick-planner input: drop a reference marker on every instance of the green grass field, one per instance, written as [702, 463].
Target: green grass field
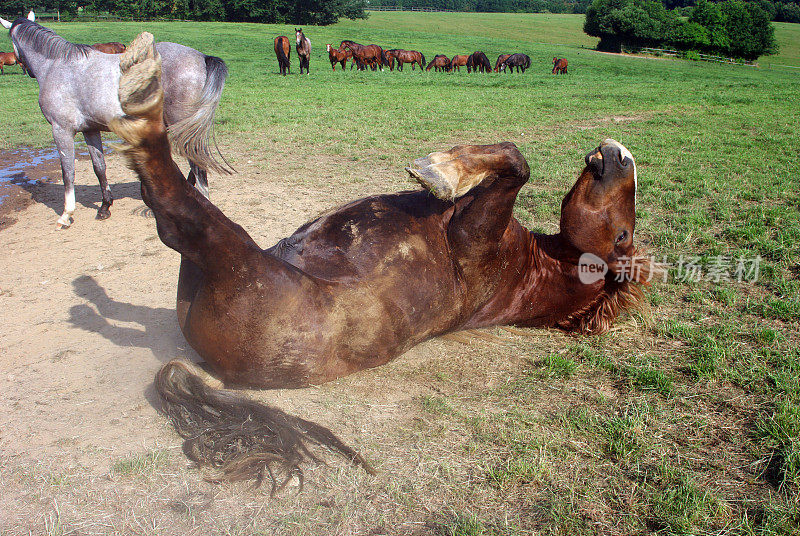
[702, 437]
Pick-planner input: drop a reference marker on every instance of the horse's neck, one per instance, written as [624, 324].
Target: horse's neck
[544, 287]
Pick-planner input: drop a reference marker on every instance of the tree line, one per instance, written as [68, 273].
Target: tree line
[322, 12]
[317, 12]
[729, 28]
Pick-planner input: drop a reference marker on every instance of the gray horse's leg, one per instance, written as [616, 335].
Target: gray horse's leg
[95, 143]
[198, 177]
[65, 144]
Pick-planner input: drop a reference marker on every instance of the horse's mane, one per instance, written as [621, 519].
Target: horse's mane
[615, 298]
[46, 42]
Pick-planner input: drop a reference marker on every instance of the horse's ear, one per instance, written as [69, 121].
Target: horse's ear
[5, 23]
[32, 16]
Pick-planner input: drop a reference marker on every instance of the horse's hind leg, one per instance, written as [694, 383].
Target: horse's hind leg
[95, 144]
[65, 144]
[469, 166]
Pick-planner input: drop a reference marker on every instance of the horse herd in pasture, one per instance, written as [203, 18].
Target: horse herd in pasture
[319, 305]
[376, 57]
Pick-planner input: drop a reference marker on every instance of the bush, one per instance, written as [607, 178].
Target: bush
[692, 55]
[730, 28]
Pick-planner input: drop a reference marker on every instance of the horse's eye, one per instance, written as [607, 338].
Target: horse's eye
[622, 236]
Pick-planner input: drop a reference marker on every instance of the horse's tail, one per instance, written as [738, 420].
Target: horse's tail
[190, 136]
[421, 55]
[242, 438]
[283, 58]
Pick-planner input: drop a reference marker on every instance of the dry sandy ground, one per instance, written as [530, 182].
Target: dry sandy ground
[88, 318]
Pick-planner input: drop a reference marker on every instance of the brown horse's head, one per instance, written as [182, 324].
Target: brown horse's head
[598, 215]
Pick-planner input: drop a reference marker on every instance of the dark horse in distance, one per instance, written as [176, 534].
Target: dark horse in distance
[335, 297]
[520, 61]
[282, 51]
[440, 62]
[478, 61]
[303, 47]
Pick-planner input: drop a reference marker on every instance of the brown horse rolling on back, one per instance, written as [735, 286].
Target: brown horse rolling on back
[459, 61]
[559, 66]
[303, 50]
[362, 284]
[282, 51]
[110, 48]
[439, 63]
[9, 58]
[339, 56]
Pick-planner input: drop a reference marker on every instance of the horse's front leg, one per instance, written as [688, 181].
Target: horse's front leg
[95, 144]
[65, 145]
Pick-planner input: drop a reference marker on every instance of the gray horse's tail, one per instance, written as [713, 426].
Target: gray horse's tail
[190, 136]
[241, 438]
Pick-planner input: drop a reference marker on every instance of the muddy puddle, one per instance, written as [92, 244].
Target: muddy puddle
[23, 170]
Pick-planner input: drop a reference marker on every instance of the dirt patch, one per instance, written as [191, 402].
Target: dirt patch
[23, 172]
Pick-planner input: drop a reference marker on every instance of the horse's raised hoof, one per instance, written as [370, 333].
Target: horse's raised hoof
[140, 93]
[432, 158]
[434, 181]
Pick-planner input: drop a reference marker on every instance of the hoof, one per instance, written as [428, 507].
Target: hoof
[63, 223]
[103, 214]
[430, 180]
[432, 158]
[140, 93]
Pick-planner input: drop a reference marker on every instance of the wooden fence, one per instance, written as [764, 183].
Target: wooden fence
[696, 56]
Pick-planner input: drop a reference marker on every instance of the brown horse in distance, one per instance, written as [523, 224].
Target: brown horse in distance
[110, 48]
[439, 63]
[500, 59]
[340, 56]
[458, 61]
[477, 61]
[9, 58]
[408, 56]
[559, 66]
[365, 55]
[282, 51]
[334, 298]
[303, 47]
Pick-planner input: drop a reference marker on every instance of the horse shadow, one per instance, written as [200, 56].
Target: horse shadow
[159, 331]
[51, 194]
[38, 171]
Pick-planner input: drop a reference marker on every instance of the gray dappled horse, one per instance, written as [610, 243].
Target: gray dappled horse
[78, 93]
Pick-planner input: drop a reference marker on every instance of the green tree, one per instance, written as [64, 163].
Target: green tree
[749, 29]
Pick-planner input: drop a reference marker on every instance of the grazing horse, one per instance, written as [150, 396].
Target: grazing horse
[559, 66]
[362, 284]
[500, 59]
[78, 93]
[9, 58]
[440, 62]
[282, 51]
[520, 61]
[478, 61]
[458, 61]
[303, 46]
[364, 55]
[340, 56]
[389, 58]
[110, 48]
[409, 56]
